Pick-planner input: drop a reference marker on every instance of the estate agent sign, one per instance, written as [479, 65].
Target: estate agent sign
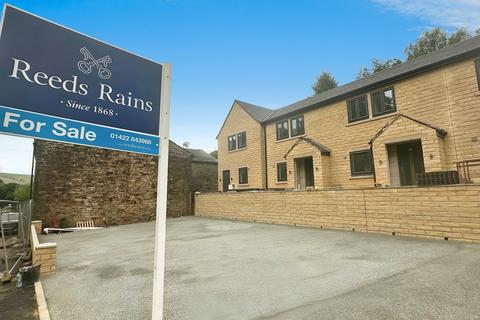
[57, 84]
[51, 73]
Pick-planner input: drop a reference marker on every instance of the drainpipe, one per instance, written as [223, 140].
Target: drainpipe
[265, 154]
[373, 164]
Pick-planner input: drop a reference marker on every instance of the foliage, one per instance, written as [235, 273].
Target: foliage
[214, 154]
[22, 192]
[435, 39]
[377, 65]
[325, 81]
[7, 191]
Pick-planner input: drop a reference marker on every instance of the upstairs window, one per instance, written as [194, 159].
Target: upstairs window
[357, 109]
[242, 140]
[232, 142]
[361, 163]
[477, 69]
[243, 175]
[383, 102]
[282, 129]
[296, 126]
[281, 171]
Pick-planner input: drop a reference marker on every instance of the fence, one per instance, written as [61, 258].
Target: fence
[450, 212]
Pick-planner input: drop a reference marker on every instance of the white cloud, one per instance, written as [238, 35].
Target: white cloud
[447, 13]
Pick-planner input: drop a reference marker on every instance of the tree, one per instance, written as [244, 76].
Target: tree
[325, 81]
[435, 39]
[214, 154]
[22, 192]
[377, 65]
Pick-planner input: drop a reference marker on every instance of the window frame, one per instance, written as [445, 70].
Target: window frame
[245, 140]
[365, 173]
[228, 142]
[239, 175]
[356, 100]
[278, 171]
[382, 91]
[288, 129]
[291, 126]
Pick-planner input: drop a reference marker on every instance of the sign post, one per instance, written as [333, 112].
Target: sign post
[60, 85]
[161, 215]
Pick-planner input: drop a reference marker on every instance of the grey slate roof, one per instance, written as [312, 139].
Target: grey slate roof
[201, 156]
[257, 112]
[455, 52]
[323, 150]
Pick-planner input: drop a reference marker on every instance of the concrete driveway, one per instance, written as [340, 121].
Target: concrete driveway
[235, 270]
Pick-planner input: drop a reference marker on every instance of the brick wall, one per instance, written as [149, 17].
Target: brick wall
[452, 212]
[75, 183]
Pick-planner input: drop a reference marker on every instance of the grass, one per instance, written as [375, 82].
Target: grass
[15, 178]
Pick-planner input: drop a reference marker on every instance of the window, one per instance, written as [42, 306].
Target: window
[361, 163]
[296, 126]
[477, 68]
[242, 140]
[232, 143]
[243, 175]
[282, 129]
[383, 102]
[357, 109]
[281, 171]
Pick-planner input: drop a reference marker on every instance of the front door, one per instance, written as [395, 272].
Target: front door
[226, 180]
[410, 162]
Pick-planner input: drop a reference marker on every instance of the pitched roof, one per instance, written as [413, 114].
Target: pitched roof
[258, 113]
[201, 156]
[450, 54]
[441, 133]
[323, 150]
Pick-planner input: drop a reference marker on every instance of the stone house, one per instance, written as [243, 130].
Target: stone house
[204, 171]
[74, 182]
[417, 122]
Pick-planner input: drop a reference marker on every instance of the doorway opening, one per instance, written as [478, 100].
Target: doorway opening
[405, 162]
[304, 173]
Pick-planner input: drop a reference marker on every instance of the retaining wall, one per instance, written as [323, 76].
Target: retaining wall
[443, 211]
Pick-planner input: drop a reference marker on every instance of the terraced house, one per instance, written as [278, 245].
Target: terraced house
[415, 123]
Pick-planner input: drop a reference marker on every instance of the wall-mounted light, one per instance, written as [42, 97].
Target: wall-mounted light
[380, 162]
[431, 156]
[316, 168]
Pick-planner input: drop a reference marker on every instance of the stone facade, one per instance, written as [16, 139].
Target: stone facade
[252, 157]
[440, 212]
[447, 98]
[75, 183]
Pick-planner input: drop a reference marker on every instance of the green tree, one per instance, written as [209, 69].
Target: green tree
[435, 39]
[377, 65]
[214, 154]
[22, 192]
[325, 81]
[7, 191]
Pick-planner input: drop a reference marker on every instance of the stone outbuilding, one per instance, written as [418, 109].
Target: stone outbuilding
[74, 183]
[204, 171]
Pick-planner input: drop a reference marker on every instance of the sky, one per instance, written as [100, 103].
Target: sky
[266, 52]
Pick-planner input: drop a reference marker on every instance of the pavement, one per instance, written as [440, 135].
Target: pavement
[218, 269]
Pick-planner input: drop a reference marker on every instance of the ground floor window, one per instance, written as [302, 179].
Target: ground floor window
[361, 163]
[243, 175]
[281, 171]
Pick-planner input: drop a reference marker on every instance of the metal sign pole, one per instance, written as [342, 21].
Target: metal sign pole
[162, 181]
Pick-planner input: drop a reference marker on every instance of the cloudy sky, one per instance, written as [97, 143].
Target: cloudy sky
[264, 52]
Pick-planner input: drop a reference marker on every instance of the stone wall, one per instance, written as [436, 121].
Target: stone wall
[75, 183]
[204, 176]
[451, 212]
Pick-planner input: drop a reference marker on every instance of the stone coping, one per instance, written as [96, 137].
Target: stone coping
[36, 244]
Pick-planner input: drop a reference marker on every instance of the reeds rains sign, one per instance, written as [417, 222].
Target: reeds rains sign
[60, 85]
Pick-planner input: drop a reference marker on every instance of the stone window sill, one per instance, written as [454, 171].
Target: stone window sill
[236, 150]
[291, 138]
[370, 176]
[372, 119]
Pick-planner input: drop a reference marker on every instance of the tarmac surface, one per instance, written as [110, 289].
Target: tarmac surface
[218, 269]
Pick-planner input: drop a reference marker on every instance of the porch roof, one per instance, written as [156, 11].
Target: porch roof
[323, 150]
[441, 133]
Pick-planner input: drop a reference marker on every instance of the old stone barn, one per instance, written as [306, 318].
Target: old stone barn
[74, 183]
